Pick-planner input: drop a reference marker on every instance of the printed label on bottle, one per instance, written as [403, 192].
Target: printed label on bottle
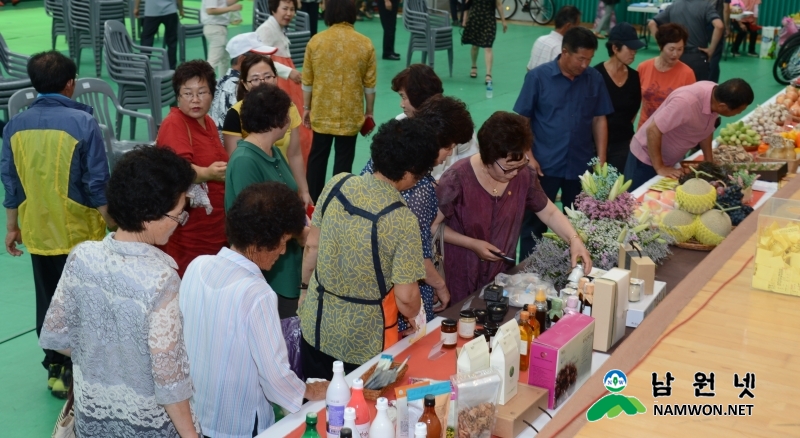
[363, 430]
[335, 420]
[449, 338]
[523, 347]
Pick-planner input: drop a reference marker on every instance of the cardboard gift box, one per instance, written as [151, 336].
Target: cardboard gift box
[610, 307]
[561, 358]
[641, 266]
[512, 416]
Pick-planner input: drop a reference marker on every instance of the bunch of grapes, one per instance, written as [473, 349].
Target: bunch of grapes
[731, 196]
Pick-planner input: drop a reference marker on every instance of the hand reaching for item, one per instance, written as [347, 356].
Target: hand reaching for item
[484, 250]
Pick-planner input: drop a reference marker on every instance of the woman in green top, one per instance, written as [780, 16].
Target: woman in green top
[265, 115]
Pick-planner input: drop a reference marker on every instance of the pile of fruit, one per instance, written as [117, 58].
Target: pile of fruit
[702, 211]
[794, 136]
[789, 100]
[739, 134]
[657, 204]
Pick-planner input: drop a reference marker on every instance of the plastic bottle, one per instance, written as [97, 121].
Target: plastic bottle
[525, 338]
[350, 419]
[311, 426]
[432, 424]
[382, 426]
[573, 304]
[346, 432]
[358, 403]
[421, 430]
[541, 309]
[489, 90]
[336, 399]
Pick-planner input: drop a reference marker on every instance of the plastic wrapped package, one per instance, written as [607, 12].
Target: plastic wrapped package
[476, 403]
[292, 335]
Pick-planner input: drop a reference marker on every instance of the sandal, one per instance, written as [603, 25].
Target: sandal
[599, 36]
[487, 79]
[473, 72]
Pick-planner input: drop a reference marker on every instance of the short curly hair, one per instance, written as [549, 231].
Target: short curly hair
[250, 59]
[189, 70]
[266, 107]
[504, 135]
[449, 118]
[402, 146]
[262, 214]
[146, 184]
[419, 82]
[275, 4]
[671, 33]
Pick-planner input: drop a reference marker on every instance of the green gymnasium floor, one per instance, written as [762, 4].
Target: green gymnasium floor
[26, 408]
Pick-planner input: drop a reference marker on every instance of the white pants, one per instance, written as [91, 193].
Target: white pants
[217, 38]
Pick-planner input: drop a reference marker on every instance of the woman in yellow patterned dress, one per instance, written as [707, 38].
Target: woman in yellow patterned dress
[363, 245]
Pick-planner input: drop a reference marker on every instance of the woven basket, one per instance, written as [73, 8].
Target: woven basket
[694, 245]
[374, 394]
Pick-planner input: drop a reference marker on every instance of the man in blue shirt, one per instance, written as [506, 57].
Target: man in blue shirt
[567, 103]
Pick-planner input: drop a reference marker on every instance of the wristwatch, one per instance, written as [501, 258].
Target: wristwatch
[303, 286]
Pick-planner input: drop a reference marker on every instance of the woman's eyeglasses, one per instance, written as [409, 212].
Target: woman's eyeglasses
[190, 96]
[181, 219]
[256, 80]
[507, 171]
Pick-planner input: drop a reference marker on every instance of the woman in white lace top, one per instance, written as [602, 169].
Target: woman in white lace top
[116, 311]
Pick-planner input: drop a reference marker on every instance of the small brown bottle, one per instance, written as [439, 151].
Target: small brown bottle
[429, 417]
[525, 338]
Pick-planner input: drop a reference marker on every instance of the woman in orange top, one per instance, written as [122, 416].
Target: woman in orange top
[271, 33]
[746, 26]
[665, 73]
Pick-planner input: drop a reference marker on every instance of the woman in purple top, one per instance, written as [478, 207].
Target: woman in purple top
[483, 199]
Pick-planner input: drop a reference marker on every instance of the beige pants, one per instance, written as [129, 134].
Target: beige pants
[217, 38]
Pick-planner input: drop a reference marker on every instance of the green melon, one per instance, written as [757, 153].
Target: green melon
[679, 224]
[713, 227]
[696, 196]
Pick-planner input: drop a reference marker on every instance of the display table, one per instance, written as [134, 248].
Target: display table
[712, 321]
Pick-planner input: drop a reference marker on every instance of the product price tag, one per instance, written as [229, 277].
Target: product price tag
[436, 351]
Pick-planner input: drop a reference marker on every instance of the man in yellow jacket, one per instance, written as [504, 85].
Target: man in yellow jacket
[54, 171]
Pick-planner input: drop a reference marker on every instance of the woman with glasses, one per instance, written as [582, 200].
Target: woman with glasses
[265, 115]
[483, 199]
[192, 134]
[256, 70]
[116, 310]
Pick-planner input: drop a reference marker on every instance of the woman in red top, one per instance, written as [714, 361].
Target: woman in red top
[192, 134]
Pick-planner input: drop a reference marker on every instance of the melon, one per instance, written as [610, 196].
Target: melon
[695, 196]
[713, 227]
[679, 224]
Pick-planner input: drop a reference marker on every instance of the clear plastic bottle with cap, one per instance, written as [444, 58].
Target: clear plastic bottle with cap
[350, 419]
[421, 430]
[541, 309]
[311, 426]
[358, 403]
[382, 426]
[336, 399]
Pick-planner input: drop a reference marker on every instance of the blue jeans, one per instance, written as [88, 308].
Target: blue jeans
[639, 172]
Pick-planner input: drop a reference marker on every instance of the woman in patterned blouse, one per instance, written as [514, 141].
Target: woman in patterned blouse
[453, 125]
[116, 312]
[339, 75]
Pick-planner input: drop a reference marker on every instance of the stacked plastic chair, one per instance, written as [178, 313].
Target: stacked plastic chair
[299, 34]
[86, 19]
[260, 13]
[99, 95]
[55, 9]
[21, 100]
[142, 74]
[193, 30]
[14, 75]
[430, 31]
